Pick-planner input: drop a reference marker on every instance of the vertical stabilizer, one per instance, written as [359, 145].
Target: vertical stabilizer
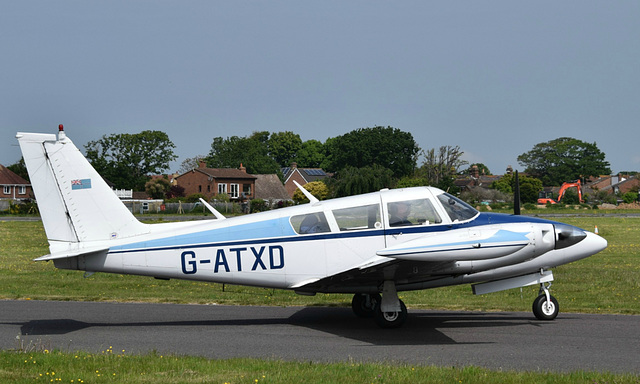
[75, 203]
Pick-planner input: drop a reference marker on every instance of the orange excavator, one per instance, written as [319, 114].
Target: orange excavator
[545, 199]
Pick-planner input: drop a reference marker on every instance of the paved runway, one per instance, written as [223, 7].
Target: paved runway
[513, 341]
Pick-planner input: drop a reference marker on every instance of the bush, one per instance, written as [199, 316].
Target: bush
[629, 197]
[23, 208]
[258, 205]
[530, 206]
[194, 198]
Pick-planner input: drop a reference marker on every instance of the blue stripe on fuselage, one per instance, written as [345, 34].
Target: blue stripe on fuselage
[275, 229]
[280, 231]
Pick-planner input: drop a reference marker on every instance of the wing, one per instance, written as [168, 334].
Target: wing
[370, 275]
[431, 260]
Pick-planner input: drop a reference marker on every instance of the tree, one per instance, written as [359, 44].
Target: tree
[126, 159]
[20, 169]
[387, 147]
[529, 187]
[251, 151]
[317, 188]
[408, 182]
[189, 164]
[157, 188]
[284, 147]
[311, 155]
[175, 191]
[564, 159]
[354, 181]
[441, 167]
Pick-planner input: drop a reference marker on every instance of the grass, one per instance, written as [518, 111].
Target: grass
[111, 366]
[604, 283]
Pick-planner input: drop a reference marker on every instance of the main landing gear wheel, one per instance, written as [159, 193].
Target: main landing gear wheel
[390, 319]
[363, 305]
[545, 309]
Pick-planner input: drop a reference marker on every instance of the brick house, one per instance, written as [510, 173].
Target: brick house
[210, 182]
[13, 187]
[301, 175]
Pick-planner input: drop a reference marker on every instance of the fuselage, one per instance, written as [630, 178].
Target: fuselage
[290, 247]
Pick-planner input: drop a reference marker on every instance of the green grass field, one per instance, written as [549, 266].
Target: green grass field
[114, 367]
[605, 283]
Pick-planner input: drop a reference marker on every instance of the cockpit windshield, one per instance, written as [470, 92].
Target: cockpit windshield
[457, 209]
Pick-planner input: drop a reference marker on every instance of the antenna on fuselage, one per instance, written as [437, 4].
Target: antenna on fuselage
[516, 196]
[312, 199]
[217, 214]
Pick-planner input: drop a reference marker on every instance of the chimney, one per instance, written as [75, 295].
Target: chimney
[294, 165]
[243, 168]
[509, 170]
[202, 164]
[475, 173]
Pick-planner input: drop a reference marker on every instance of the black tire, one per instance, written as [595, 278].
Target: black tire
[363, 304]
[544, 310]
[390, 319]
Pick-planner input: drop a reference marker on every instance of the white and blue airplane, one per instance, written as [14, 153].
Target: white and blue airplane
[372, 246]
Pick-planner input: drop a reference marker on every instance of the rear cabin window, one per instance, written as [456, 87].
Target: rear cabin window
[412, 212]
[310, 223]
[358, 218]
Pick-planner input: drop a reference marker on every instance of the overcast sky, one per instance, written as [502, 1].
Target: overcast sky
[493, 77]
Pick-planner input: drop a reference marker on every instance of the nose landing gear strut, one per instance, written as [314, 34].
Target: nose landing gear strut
[545, 306]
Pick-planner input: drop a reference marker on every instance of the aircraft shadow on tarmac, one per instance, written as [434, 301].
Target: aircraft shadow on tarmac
[422, 328]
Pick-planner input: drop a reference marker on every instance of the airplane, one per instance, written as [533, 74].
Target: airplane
[371, 246]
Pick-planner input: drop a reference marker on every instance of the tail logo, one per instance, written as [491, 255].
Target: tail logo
[81, 184]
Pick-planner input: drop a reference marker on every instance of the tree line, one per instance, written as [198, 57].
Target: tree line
[363, 160]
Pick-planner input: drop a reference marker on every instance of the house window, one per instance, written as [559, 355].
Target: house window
[222, 188]
[199, 188]
[7, 190]
[246, 189]
[22, 190]
[209, 188]
[234, 190]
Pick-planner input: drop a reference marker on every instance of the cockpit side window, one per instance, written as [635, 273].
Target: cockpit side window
[358, 218]
[310, 223]
[412, 212]
[457, 209]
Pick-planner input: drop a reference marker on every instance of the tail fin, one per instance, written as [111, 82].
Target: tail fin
[75, 203]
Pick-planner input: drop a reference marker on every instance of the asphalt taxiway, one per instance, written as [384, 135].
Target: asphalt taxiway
[501, 340]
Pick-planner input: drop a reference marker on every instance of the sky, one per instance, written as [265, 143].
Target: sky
[492, 77]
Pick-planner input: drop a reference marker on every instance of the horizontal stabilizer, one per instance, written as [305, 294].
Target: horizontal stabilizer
[72, 252]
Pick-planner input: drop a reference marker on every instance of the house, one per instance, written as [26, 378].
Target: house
[210, 182]
[613, 184]
[474, 179]
[616, 184]
[270, 188]
[12, 186]
[301, 175]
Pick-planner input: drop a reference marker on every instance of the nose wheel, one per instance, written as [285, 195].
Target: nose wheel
[545, 306]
